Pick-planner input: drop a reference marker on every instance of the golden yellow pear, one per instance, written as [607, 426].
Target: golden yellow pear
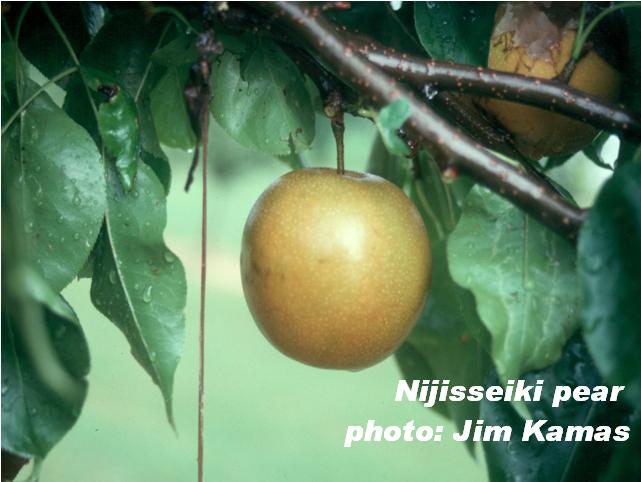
[536, 40]
[335, 268]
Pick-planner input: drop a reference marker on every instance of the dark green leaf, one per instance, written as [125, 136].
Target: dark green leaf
[138, 283]
[13, 63]
[35, 416]
[567, 461]
[631, 90]
[169, 109]
[628, 152]
[235, 43]
[389, 120]
[523, 277]
[609, 253]
[456, 31]
[393, 168]
[179, 52]
[447, 342]
[56, 190]
[42, 45]
[262, 102]
[625, 463]
[439, 202]
[594, 150]
[394, 29]
[556, 161]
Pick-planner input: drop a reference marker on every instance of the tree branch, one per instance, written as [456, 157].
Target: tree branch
[450, 148]
[441, 77]
[547, 94]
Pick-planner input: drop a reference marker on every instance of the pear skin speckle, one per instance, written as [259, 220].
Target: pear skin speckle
[335, 268]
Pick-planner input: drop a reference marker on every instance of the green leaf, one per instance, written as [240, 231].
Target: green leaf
[35, 416]
[179, 52]
[609, 254]
[628, 152]
[42, 45]
[391, 28]
[439, 202]
[447, 342]
[169, 109]
[523, 277]
[594, 150]
[294, 161]
[138, 283]
[393, 168]
[262, 101]
[13, 64]
[456, 31]
[389, 120]
[118, 126]
[567, 461]
[123, 50]
[55, 188]
[631, 89]
[625, 463]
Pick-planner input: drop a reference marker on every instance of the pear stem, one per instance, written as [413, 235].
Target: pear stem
[338, 128]
[334, 110]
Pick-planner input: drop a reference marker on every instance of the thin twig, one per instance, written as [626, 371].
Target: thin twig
[449, 147]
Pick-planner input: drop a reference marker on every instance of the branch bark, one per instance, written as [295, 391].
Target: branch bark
[451, 149]
[547, 94]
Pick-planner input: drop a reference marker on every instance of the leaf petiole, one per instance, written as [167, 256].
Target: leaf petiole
[583, 34]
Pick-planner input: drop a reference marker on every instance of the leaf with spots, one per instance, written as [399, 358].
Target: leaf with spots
[123, 50]
[523, 277]
[138, 283]
[55, 188]
[262, 102]
[118, 125]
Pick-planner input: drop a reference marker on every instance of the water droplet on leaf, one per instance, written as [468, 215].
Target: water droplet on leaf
[169, 256]
[146, 296]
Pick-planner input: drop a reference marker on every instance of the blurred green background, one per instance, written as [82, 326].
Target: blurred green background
[268, 418]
